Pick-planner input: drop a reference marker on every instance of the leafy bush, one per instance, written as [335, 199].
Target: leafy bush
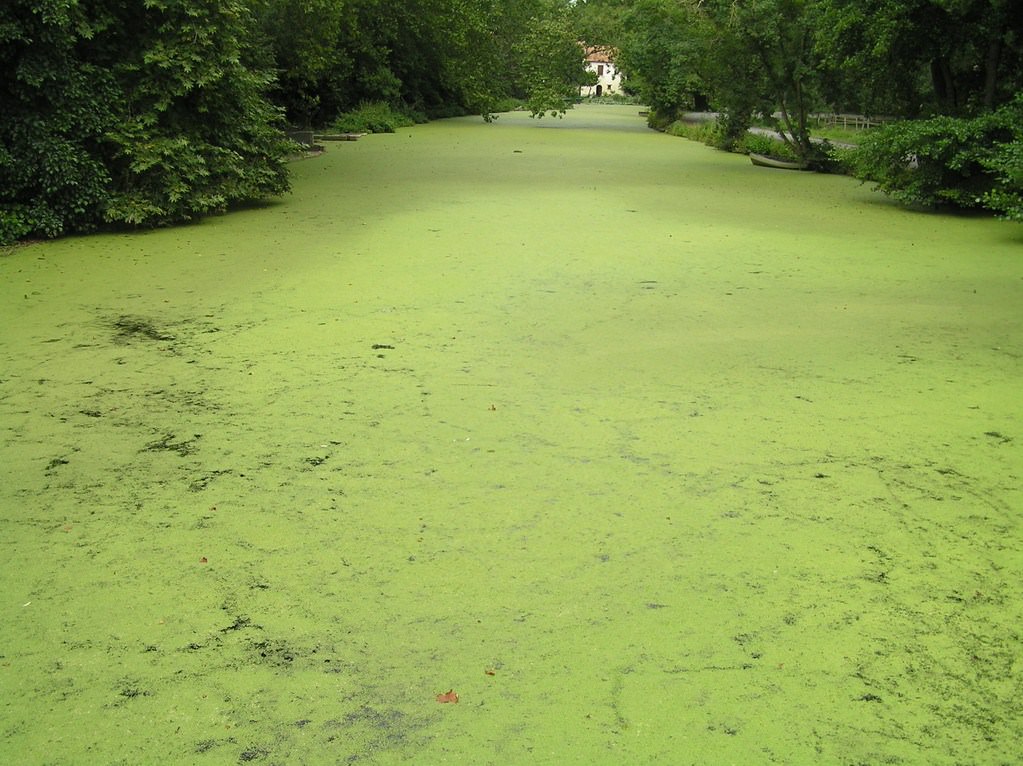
[967, 163]
[694, 131]
[1005, 163]
[761, 144]
[377, 117]
[616, 98]
[661, 120]
[839, 159]
[130, 115]
[731, 130]
[56, 107]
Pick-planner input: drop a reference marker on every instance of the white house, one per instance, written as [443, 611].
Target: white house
[609, 80]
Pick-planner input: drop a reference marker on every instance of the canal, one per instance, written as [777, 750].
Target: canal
[640, 453]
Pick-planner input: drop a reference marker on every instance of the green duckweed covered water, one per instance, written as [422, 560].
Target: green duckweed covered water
[647, 454]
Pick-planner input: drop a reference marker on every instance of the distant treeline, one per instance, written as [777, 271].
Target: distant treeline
[150, 112]
[952, 68]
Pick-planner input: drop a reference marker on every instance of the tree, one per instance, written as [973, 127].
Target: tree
[551, 62]
[749, 56]
[660, 49]
[433, 57]
[759, 55]
[1005, 163]
[958, 60]
[599, 22]
[130, 113]
[195, 132]
[300, 41]
[957, 57]
[56, 110]
[477, 70]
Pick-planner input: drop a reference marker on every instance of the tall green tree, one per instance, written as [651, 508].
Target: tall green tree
[960, 61]
[749, 56]
[300, 40]
[56, 109]
[551, 62]
[912, 57]
[195, 132]
[431, 56]
[760, 56]
[600, 22]
[1005, 163]
[473, 38]
[120, 112]
[660, 47]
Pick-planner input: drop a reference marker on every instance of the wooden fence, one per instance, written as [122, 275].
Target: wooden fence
[850, 121]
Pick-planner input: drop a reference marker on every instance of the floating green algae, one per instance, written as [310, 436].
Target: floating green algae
[648, 454]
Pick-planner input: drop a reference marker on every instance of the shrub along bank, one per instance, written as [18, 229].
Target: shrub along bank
[149, 114]
[965, 163]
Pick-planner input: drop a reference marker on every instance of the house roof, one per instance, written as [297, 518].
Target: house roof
[600, 54]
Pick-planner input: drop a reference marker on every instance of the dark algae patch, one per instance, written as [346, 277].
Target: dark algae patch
[611, 450]
[127, 329]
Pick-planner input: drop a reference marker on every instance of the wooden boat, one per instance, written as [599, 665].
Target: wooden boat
[764, 161]
[340, 136]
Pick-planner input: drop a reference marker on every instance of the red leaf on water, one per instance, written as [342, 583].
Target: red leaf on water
[448, 696]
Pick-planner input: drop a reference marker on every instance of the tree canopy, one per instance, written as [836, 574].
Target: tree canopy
[149, 112]
[152, 112]
[894, 57]
[920, 57]
[130, 113]
[959, 62]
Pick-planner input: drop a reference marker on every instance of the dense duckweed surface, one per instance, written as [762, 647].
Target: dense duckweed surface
[645, 453]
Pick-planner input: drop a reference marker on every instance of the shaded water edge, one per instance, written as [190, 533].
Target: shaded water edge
[647, 454]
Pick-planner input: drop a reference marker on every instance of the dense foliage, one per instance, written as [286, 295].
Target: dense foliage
[57, 107]
[664, 68]
[1005, 164]
[920, 57]
[373, 117]
[149, 112]
[749, 58]
[129, 113]
[959, 62]
[974, 162]
[435, 57]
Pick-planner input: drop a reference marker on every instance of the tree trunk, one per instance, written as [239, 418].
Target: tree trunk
[944, 85]
[994, 52]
